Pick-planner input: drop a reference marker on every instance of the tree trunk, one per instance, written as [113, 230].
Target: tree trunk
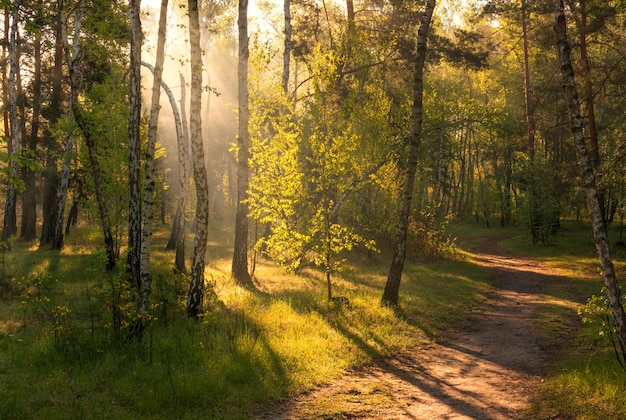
[589, 100]
[240, 253]
[535, 223]
[10, 223]
[392, 287]
[134, 145]
[288, 45]
[57, 239]
[182, 131]
[530, 114]
[28, 230]
[145, 283]
[72, 217]
[177, 238]
[74, 70]
[171, 243]
[196, 285]
[350, 11]
[585, 165]
[50, 204]
[57, 236]
[5, 79]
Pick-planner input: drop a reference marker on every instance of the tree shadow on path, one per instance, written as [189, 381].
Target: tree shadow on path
[487, 369]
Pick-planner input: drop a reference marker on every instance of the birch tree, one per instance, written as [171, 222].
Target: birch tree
[392, 286]
[177, 238]
[182, 131]
[57, 239]
[90, 141]
[145, 280]
[586, 168]
[134, 144]
[196, 286]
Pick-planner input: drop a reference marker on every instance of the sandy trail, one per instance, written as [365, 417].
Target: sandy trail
[487, 370]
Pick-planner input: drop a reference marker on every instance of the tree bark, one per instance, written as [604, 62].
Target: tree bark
[145, 283]
[134, 145]
[288, 45]
[177, 238]
[72, 217]
[530, 130]
[585, 164]
[28, 231]
[74, 70]
[57, 237]
[50, 204]
[5, 79]
[196, 286]
[183, 163]
[392, 287]
[10, 223]
[589, 101]
[530, 114]
[240, 253]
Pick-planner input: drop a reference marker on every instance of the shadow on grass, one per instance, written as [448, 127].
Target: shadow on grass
[233, 358]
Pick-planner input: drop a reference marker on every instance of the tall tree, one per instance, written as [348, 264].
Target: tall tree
[134, 143]
[585, 164]
[392, 286]
[90, 141]
[183, 177]
[28, 229]
[195, 297]
[146, 240]
[240, 253]
[50, 204]
[589, 96]
[52, 227]
[177, 238]
[288, 45]
[528, 94]
[10, 223]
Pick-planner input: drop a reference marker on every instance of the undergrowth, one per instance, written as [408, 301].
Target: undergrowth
[67, 349]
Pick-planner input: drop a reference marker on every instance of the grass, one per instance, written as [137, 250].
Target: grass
[61, 355]
[587, 382]
[64, 355]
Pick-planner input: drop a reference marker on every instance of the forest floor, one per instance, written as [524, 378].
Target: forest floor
[490, 367]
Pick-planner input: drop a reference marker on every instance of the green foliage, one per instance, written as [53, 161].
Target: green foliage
[429, 235]
[22, 158]
[106, 110]
[539, 208]
[597, 311]
[307, 161]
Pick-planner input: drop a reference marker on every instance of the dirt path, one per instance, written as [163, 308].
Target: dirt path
[488, 370]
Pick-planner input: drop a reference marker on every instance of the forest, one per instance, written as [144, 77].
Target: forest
[235, 202]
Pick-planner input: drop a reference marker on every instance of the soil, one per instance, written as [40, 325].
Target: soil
[487, 369]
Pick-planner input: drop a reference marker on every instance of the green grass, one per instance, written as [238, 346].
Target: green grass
[61, 357]
[587, 382]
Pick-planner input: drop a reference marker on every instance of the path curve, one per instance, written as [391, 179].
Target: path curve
[488, 370]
